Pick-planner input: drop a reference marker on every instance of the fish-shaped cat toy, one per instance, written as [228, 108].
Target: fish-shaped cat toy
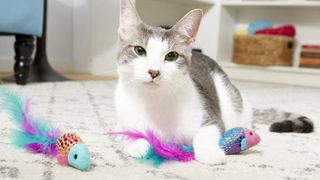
[238, 139]
[232, 141]
[39, 136]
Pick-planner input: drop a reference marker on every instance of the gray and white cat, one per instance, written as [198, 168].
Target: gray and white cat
[183, 96]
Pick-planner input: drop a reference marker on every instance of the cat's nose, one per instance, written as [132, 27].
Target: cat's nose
[154, 73]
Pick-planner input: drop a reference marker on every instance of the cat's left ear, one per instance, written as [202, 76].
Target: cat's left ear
[189, 25]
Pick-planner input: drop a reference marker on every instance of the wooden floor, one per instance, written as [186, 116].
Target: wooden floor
[73, 76]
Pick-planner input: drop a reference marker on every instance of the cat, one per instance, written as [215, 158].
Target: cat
[182, 95]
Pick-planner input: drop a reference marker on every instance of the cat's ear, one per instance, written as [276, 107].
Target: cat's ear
[129, 18]
[189, 25]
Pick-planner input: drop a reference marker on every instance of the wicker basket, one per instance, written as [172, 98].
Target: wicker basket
[263, 50]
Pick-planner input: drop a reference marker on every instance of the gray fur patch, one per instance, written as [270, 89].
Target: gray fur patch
[201, 72]
[201, 68]
[283, 121]
[235, 94]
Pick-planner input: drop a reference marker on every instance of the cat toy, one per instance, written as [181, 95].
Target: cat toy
[39, 136]
[232, 141]
[238, 139]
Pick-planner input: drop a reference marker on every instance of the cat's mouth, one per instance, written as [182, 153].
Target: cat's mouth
[151, 84]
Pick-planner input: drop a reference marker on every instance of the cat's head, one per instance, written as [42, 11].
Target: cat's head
[153, 57]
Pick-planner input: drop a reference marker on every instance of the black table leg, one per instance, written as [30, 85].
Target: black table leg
[40, 69]
[23, 50]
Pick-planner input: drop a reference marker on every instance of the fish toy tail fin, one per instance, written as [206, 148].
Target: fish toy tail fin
[35, 135]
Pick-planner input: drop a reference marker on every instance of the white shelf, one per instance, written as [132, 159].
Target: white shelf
[287, 69]
[209, 2]
[273, 74]
[271, 3]
[198, 1]
[236, 14]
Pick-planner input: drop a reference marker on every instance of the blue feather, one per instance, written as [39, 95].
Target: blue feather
[36, 135]
[12, 103]
[152, 157]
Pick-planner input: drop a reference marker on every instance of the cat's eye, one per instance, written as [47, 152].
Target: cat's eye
[171, 56]
[140, 51]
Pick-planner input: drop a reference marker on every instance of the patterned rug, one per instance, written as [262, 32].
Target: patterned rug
[87, 108]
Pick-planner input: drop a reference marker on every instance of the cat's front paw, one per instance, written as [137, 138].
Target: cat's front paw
[206, 148]
[215, 157]
[137, 148]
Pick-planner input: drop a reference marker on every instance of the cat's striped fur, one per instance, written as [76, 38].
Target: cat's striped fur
[280, 121]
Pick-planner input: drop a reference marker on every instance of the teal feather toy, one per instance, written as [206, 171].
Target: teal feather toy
[38, 136]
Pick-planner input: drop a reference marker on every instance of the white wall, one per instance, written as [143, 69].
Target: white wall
[95, 36]
[6, 53]
[105, 22]
[60, 39]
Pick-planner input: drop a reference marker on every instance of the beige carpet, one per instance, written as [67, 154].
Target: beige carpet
[87, 109]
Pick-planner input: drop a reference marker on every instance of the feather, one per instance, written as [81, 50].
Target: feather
[129, 134]
[169, 151]
[153, 157]
[62, 159]
[12, 103]
[159, 151]
[35, 135]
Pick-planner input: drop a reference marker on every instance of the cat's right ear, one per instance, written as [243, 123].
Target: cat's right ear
[129, 19]
[189, 25]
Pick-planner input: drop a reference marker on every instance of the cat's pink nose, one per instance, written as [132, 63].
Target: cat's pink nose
[154, 73]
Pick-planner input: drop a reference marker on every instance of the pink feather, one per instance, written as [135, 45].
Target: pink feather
[166, 150]
[62, 160]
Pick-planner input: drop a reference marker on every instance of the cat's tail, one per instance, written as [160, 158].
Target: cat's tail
[283, 121]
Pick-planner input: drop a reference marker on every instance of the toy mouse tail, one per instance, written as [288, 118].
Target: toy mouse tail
[283, 121]
[35, 135]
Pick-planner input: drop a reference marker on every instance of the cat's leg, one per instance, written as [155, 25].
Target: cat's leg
[206, 146]
[137, 148]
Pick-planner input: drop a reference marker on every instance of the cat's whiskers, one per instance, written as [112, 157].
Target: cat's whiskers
[131, 84]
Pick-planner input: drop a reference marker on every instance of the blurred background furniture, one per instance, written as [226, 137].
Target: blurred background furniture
[26, 20]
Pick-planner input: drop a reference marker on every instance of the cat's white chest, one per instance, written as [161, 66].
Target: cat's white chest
[176, 117]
